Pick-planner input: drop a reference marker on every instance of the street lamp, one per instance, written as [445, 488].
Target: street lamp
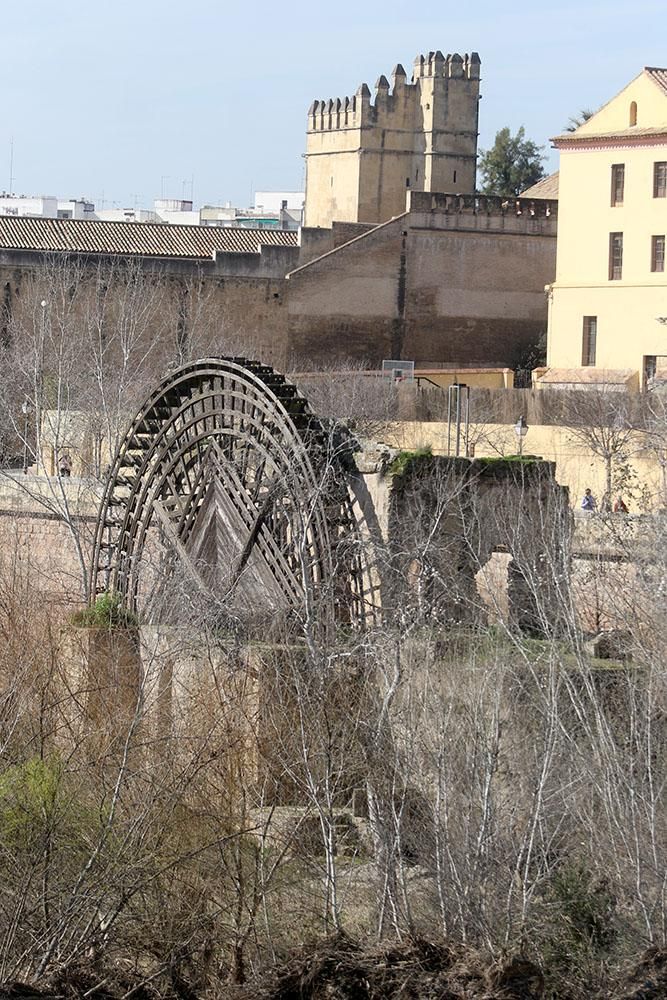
[39, 389]
[521, 429]
[26, 409]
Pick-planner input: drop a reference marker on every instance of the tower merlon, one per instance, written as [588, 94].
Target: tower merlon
[398, 76]
[333, 114]
[453, 65]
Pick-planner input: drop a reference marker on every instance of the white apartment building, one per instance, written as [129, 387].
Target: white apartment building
[46, 207]
[272, 210]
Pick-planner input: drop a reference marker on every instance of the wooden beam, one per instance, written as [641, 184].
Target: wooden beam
[174, 540]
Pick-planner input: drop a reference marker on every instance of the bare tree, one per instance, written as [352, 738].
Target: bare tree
[654, 426]
[602, 420]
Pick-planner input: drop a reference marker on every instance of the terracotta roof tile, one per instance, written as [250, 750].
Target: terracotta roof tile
[140, 238]
[636, 131]
[590, 376]
[658, 75]
[546, 188]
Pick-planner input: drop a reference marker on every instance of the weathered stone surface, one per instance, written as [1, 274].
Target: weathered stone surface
[447, 517]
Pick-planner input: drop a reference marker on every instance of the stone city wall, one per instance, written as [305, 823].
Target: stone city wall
[455, 280]
[463, 284]
[46, 533]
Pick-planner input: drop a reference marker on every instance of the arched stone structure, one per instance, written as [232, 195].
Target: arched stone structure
[447, 516]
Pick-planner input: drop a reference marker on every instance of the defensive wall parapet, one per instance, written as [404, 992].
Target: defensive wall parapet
[267, 262]
[369, 396]
[453, 66]
[48, 496]
[438, 210]
[392, 101]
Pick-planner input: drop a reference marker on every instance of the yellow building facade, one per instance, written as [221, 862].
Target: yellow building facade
[363, 154]
[608, 304]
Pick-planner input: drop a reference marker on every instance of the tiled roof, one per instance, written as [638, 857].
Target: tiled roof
[140, 238]
[633, 132]
[658, 75]
[590, 376]
[546, 188]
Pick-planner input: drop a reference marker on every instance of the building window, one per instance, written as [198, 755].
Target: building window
[615, 256]
[657, 253]
[660, 180]
[617, 183]
[589, 340]
[633, 113]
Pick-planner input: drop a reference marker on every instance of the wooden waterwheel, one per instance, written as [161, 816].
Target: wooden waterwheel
[227, 492]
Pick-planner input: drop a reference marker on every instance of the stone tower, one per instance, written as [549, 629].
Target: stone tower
[362, 156]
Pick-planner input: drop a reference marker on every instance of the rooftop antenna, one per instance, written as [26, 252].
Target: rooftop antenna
[11, 165]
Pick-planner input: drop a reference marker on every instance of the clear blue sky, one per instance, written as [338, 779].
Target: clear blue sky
[126, 99]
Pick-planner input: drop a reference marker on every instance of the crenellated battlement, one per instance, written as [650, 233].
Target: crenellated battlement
[359, 110]
[481, 204]
[415, 133]
[453, 66]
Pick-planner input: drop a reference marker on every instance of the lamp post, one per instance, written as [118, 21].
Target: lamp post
[458, 412]
[39, 388]
[26, 409]
[521, 429]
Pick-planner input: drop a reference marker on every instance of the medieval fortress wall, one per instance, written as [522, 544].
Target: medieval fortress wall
[46, 534]
[454, 279]
[398, 257]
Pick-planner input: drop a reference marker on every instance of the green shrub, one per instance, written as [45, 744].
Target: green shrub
[581, 927]
[28, 796]
[405, 458]
[108, 611]
[498, 461]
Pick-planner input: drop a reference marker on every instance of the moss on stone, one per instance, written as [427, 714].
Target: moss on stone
[108, 611]
[404, 459]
